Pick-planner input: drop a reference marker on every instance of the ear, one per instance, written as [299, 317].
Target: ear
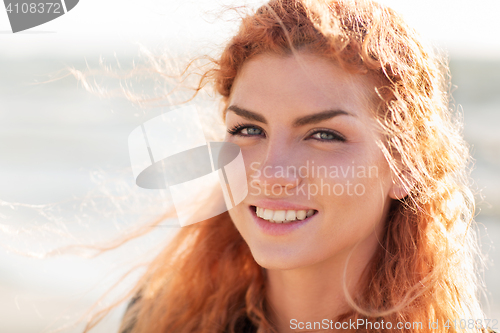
[401, 185]
[398, 192]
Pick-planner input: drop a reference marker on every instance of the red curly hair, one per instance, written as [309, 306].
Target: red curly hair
[206, 279]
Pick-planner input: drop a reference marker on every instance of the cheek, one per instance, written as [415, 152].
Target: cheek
[237, 215]
[252, 157]
[356, 188]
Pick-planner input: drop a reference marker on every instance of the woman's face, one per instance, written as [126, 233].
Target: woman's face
[318, 182]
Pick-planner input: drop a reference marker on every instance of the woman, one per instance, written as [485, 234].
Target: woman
[358, 211]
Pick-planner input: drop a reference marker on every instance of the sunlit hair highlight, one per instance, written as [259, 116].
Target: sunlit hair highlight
[206, 280]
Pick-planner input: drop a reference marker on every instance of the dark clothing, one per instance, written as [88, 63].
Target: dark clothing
[243, 326]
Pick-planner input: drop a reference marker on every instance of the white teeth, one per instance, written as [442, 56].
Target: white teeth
[283, 216]
[279, 216]
[259, 211]
[290, 215]
[268, 214]
[301, 214]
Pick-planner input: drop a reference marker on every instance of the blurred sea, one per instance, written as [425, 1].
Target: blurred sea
[58, 143]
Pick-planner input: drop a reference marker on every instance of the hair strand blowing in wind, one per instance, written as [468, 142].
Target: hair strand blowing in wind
[206, 279]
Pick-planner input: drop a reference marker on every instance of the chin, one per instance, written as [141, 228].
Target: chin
[276, 262]
[280, 257]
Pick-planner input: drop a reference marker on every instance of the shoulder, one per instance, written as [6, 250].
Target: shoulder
[244, 325]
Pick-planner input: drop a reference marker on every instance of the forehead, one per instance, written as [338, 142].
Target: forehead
[300, 83]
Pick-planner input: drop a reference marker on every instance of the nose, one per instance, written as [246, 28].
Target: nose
[279, 170]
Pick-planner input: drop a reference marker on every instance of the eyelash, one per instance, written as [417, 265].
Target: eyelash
[336, 136]
[236, 130]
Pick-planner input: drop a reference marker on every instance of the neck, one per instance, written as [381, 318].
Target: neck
[315, 293]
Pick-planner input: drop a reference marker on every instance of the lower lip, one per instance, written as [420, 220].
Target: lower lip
[278, 229]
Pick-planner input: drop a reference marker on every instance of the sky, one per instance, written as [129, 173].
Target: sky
[463, 28]
[460, 27]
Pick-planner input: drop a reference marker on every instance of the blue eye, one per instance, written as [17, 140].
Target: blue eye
[251, 131]
[327, 136]
[245, 130]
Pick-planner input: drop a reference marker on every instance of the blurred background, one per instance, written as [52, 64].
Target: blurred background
[64, 165]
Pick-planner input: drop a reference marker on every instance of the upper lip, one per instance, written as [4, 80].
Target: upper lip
[279, 205]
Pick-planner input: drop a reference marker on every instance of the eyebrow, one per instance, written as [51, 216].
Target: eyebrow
[301, 121]
[250, 115]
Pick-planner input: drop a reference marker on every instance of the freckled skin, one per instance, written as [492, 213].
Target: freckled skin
[306, 268]
[282, 89]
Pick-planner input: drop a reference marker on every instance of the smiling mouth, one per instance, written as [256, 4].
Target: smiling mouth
[283, 216]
